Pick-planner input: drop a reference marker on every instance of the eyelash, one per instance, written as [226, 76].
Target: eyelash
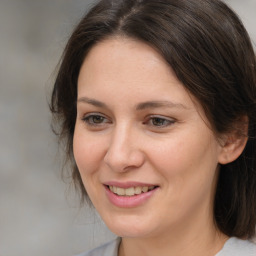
[91, 118]
[165, 121]
[151, 121]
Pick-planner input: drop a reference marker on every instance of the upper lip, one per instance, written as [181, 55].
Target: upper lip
[128, 184]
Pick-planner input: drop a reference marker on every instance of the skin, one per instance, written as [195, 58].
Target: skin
[171, 145]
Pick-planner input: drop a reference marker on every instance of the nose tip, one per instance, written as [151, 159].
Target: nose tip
[124, 160]
[124, 151]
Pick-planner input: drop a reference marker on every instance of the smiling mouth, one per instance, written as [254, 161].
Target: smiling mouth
[132, 191]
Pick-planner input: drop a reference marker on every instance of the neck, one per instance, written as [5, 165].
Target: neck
[205, 240]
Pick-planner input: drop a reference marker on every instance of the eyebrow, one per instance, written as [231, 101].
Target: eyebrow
[140, 106]
[159, 104]
[93, 102]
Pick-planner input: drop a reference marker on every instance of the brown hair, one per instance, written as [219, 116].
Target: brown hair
[208, 48]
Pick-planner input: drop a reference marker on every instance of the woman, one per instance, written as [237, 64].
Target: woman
[156, 102]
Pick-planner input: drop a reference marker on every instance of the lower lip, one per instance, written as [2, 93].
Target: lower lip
[129, 201]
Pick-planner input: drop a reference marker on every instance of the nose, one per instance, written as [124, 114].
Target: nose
[124, 152]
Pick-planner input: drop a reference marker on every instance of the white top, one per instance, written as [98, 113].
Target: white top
[233, 247]
[238, 247]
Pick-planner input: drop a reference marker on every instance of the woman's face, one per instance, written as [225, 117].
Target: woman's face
[144, 149]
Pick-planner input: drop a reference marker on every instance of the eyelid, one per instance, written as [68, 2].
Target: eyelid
[167, 121]
[170, 120]
[95, 114]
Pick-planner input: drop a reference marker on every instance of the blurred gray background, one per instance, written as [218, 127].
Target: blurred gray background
[39, 213]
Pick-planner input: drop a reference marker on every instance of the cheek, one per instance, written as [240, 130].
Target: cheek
[186, 159]
[171, 155]
[188, 169]
[87, 152]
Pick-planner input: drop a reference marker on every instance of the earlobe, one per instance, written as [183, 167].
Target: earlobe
[234, 143]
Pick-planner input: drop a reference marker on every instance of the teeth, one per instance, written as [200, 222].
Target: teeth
[145, 189]
[120, 191]
[138, 190]
[130, 191]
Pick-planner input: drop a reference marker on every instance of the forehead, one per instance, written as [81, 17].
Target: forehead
[125, 55]
[124, 68]
[123, 58]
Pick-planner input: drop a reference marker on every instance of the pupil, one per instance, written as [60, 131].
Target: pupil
[97, 119]
[158, 121]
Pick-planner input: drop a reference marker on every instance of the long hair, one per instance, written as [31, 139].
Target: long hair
[208, 48]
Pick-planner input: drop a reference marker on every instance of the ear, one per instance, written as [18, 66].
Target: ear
[233, 143]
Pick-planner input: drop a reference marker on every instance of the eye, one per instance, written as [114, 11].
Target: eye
[95, 120]
[161, 122]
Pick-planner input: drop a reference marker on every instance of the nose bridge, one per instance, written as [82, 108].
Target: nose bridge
[122, 138]
[124, 150]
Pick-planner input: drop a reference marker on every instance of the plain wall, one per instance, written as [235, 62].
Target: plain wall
[39, 213]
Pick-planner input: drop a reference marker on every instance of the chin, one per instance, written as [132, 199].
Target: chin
[129, 227]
